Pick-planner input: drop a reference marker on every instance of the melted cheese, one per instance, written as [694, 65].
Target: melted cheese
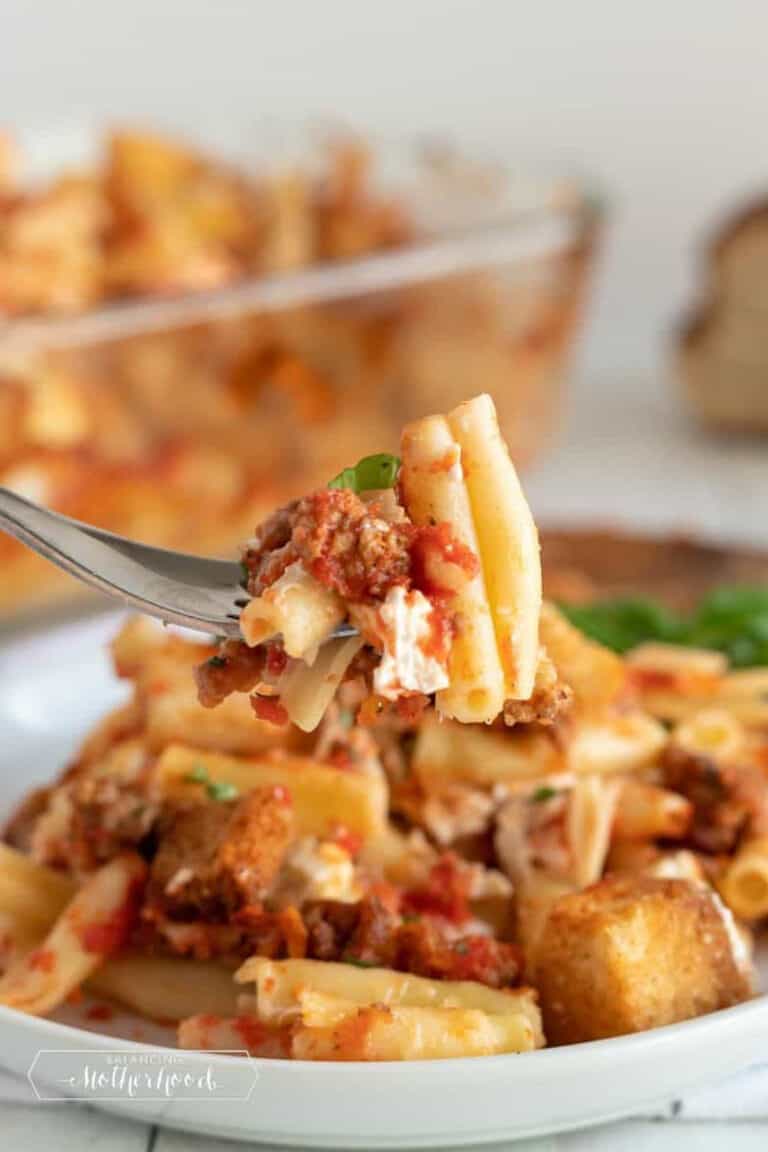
[405, 665]
[317, 870]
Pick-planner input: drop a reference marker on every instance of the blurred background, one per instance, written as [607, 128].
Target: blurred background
[628, 359]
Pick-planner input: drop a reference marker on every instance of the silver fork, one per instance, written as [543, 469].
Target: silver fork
[193, 591]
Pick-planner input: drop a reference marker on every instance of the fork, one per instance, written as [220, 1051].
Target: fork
[193, 591]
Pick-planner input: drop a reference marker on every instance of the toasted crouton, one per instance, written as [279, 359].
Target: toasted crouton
[635, 952]
[215, 856]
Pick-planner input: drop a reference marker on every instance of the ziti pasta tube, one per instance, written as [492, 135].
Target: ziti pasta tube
[508, 540]
[434, 491]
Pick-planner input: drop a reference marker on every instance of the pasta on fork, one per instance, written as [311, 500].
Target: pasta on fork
[432, 559]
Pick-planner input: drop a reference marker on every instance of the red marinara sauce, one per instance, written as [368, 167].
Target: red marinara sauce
[434, 552]
[270, 709]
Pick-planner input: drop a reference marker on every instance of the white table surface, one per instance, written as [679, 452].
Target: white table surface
[629, 457]
[732, 1115]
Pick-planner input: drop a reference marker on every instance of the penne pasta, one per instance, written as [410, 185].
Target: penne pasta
[624, 742]
[324, 797]
[306, 691]
[648, 812]
[620, 742]
[213, 1032]
[92, 924]
[160, 987]
[745, 694]
[18, 936]
[713, 732]
[459, 752]
[375, 1032]
[402, 858]
[378, 1014]
[173, 715]
[677, 683]
[30, 890]
[589, 816]
[435, 492]
[740, 694]
[744, 883]
[280, 985]
[692, 666]
[141, 644]
[295, 607]
[507, 539]
[166, 987]
[595, 675]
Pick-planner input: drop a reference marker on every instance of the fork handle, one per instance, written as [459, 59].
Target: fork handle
[153, 580]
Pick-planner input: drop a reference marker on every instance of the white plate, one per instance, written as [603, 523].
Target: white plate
[52, 689]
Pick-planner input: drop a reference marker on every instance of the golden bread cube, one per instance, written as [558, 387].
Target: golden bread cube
[634, 952]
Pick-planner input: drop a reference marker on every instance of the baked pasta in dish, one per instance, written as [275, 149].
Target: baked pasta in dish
[184, 433]
[514, 837]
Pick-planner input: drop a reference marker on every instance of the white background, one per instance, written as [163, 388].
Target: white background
[663, 101]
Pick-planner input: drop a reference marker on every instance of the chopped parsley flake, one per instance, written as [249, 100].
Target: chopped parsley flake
[542, 794]
[220, 790]
[346, 717]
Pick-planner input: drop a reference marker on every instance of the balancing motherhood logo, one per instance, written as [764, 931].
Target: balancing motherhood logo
[79, 1074]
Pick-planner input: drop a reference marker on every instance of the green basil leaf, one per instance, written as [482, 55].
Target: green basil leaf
[732, 619]
[623, 624]
[379, 471]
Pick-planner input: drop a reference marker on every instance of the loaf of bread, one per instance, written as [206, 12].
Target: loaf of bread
[722, 350]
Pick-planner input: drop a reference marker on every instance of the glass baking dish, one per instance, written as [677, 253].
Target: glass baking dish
[180, 409]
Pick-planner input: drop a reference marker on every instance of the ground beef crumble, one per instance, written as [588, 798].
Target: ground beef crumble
[235, 668]
[215, 857]
[367, 933]
[729, 800]
[350, 549]
[370, 933]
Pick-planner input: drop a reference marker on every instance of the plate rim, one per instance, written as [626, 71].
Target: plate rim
[622, 1046]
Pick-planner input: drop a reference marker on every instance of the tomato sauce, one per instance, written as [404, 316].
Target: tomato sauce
[42, 960]
[270, 709]
[434, 549]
